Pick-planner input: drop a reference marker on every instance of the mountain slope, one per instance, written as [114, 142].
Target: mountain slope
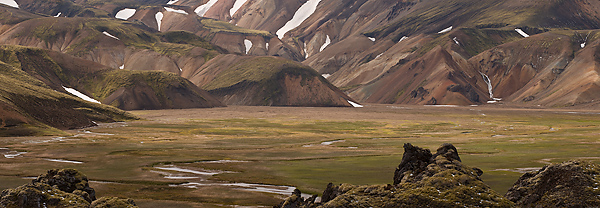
[125, 89]
[136, 47]
[267, 81]
[29, 107]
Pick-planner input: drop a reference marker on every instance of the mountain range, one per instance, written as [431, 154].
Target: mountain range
[157, 54]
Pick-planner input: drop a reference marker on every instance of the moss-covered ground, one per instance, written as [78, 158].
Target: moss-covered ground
[285, 146]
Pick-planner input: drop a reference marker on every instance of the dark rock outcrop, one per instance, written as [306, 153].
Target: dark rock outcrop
[296, 201]
[569, 184]
[59, 188]
[421, 180]
[68, 180]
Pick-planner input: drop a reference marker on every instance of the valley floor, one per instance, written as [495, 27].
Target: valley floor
[243, 155]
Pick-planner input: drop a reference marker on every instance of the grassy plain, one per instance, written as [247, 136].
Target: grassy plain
[301, 147]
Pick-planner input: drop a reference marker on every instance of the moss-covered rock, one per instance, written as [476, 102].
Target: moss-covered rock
[422, 180]
[109, 202]
[70, 181]
[569, 184]
[40, 195]
[59, 188]
[56, 188]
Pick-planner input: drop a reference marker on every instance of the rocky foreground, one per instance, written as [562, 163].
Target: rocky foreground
[59, 188]
[424, 179]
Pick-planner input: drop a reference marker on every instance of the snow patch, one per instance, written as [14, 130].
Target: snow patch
[302, 14]
[456, 41]
[58, 15]
[236, 6]
[356, 105]
[122, 66]
[172, 2]
[11, 3]
[64, 161]
[109, 35]
[445, 30]
[125, 14]
[267, 46]
[327, 42]
[159, 16]
[583, 45]
[522, 33]
[378, 56]
[326, 75]
[248, 45]
[80, 95]
[403, 38]
[180, 70]
[372, 39]
[176, 10]
[202, 9]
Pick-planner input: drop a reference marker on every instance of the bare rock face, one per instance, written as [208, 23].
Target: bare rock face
[421, 180]
[569, 184]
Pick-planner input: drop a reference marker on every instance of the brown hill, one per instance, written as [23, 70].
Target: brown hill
[129, 90]
[267, 81]
[30, 107]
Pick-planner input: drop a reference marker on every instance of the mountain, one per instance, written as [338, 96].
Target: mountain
[136, 47]
[125, 89]
[30, 107]
[267, 81]
[464, 52]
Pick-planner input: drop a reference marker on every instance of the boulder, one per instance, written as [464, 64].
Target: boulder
[68, 180]
[59, 188]
[568, 184]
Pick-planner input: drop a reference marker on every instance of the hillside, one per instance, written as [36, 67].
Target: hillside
[267, 81]
[378, 51]
[125, 89]
[30, 107]
[136, 47]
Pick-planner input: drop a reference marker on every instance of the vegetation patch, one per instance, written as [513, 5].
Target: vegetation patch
[216, 26]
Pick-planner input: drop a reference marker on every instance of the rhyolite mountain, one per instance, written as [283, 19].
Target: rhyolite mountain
[133, 45]
[378, 51]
